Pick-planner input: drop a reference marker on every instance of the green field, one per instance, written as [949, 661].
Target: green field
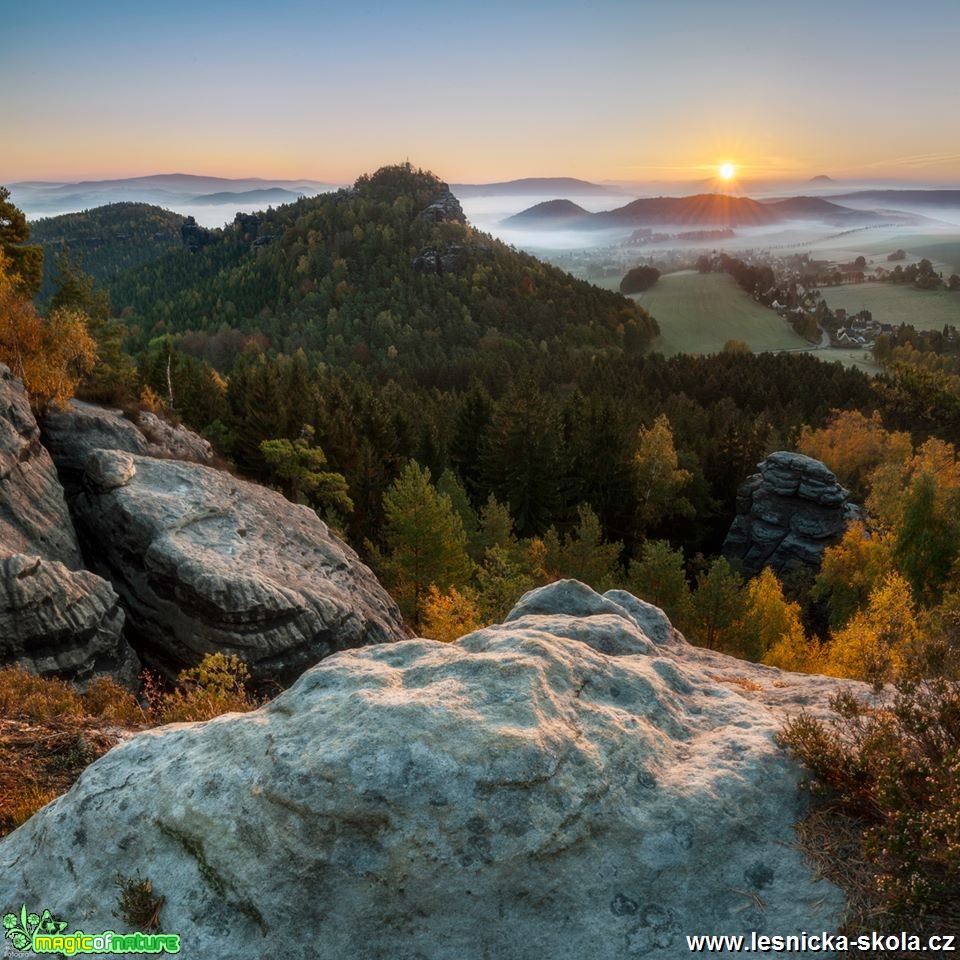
[898, 303]
[700, 312]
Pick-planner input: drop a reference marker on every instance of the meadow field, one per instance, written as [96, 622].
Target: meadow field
[700, 312]
[897, 303]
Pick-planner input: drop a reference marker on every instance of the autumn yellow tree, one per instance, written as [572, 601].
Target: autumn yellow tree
[768, 618]
[851, 570]
[660, 478]
[875, 644]
[49, 355]
[853, 446]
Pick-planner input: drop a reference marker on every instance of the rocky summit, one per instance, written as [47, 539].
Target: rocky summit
[787, 515]
[204, 562]
[575, 782]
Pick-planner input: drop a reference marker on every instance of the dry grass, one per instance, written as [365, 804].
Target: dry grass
[50, 732]
[833, 841]
[40, 761]
[745, 683]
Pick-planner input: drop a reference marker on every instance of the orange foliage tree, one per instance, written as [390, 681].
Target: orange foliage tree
[49, 355]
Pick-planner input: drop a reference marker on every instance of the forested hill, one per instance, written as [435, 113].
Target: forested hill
[107, 240]
[387, 274]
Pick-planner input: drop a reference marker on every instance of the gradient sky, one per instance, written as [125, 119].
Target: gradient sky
[480, 91]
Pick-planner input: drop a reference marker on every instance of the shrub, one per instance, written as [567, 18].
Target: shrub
[25, 696]
[448, 616]
[217, 685]
[897, 767]
[136, 904]
[105, 698]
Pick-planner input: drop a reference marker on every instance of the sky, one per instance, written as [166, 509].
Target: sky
[482, 91]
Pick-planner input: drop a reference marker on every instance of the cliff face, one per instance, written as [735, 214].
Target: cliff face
[55, 618]
[33, 513]
[787, 514]
[575, 782]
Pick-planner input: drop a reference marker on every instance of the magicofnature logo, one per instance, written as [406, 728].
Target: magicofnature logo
[43, 933]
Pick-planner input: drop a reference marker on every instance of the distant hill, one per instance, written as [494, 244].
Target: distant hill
[246, 197]
[825, 211]
[915, 198]
[108, 239]
[821, 178]
[534, 186]
[549, 213]
[386, 275]
[704, 209]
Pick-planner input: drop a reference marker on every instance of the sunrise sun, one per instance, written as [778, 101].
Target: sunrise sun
[727, 171]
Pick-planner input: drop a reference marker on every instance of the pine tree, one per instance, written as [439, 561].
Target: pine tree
[426, 542]
[659, 578]
[717, 604]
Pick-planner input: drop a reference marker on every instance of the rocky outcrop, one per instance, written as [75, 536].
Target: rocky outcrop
[54, 617]
[60, 622]
[73, 433]
[787, 515]
[446, 208]
[194, 236]
[430, 260]
[204, 562]
[33, 515]
[516, 795]
[174, 441]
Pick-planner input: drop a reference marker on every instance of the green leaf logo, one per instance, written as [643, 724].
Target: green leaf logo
[20, 930]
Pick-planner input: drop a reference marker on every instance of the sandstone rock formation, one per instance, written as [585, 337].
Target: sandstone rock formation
[787, 514]
[54, 617]
[33, 514]
[62, 622]
[445, 208]
[73, 433]
[516, 795]
[203, 562]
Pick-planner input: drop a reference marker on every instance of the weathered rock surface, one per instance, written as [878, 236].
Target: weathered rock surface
[445, 208]
[517, 794]
[33, 513]
[787, 514]
[57, 621]
[54, 617]
[73, 433]
[454, 259]
[203, 562]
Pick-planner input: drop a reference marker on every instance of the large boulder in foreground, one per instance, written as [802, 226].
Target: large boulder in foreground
[787, 515]
[516, 795]
[33, 513]
[204, 562]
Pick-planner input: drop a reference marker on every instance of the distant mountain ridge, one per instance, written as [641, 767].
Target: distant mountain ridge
[533, 186]
[700, 210]
[39, 198]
